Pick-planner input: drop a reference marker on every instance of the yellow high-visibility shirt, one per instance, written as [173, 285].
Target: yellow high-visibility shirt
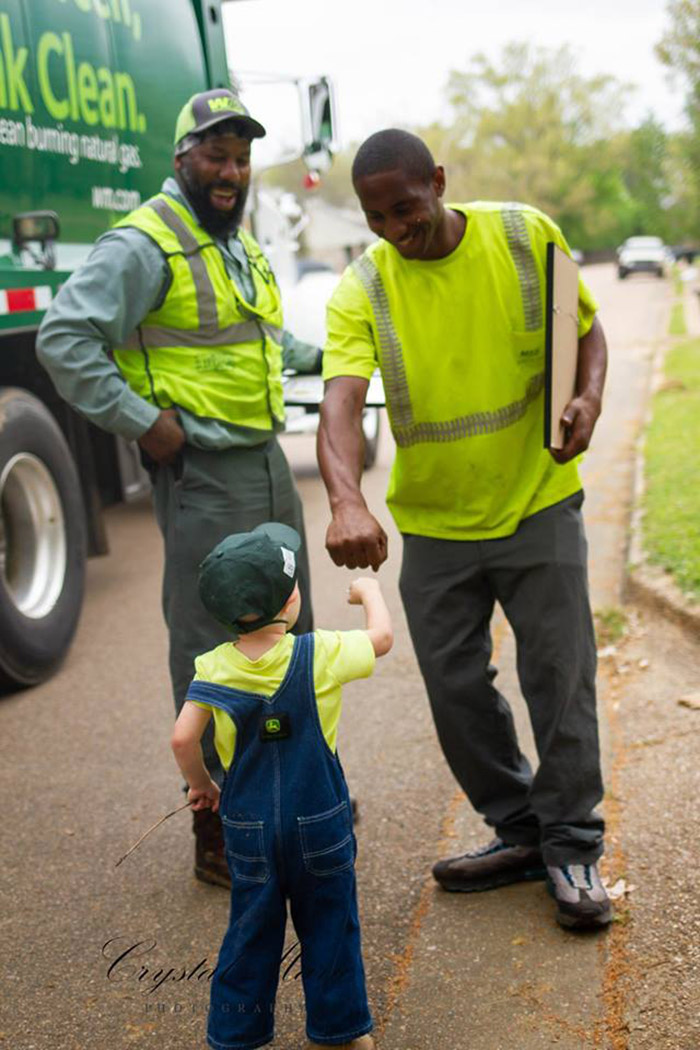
[460, 342]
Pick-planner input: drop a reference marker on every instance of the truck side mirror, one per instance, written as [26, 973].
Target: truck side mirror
[41, 226]
[318, 113]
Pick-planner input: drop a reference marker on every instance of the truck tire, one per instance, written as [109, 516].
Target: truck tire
[42, 542]
[371, 427]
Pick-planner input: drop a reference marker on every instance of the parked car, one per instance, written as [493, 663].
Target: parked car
[642, 255]
[685, 252]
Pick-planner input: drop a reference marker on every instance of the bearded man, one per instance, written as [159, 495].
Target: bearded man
[171, 335]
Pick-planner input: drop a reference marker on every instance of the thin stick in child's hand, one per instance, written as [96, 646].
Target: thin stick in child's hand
[153, 828]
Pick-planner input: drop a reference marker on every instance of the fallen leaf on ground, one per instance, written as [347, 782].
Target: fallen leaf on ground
[619, 890]
[519, 940]
[691, 700]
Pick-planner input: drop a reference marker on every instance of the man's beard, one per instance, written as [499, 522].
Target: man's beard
[216, 222]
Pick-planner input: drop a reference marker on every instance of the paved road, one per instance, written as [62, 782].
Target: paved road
[86, 768]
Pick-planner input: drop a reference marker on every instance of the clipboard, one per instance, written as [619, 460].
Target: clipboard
[561, 341]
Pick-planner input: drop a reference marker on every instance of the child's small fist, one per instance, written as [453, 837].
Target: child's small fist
[204, 798]
[359, 588]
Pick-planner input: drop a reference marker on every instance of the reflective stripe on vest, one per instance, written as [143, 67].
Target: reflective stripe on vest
[525, 266]
[191, 247]
[163, 336]
[405, 429]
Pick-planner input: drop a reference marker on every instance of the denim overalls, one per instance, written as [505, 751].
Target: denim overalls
[287, 824]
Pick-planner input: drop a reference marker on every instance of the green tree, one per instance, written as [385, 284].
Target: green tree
[643, 157]
[679, 49]
[531, 127]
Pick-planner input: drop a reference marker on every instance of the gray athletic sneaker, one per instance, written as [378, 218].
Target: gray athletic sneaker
[488, 867]
[580, 895]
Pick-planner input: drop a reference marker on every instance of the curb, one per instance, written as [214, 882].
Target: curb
[644, 583]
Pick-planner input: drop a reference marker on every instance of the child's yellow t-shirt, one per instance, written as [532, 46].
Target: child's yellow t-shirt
[339, 657]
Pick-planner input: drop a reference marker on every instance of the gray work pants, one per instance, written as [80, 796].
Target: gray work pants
[204, 497]
[539, 577]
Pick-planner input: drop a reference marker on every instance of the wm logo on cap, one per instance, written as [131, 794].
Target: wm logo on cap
[217, 104]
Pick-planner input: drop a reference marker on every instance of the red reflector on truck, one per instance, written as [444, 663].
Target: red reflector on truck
[22, 300]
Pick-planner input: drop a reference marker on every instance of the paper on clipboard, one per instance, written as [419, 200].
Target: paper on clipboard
[561, 342]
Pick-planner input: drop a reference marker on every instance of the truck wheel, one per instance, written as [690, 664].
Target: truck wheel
[42, 541]
[371, 426]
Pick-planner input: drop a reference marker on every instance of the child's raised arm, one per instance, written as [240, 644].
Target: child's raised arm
[366, 592]
[185, 742]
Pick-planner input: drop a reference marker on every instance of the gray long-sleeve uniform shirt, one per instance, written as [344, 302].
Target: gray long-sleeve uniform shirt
[124, 278]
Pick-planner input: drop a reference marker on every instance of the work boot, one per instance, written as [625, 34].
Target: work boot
[497, 864]
[209, 852]
[580, 895]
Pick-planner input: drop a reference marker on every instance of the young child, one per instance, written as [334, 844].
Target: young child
[284, 804]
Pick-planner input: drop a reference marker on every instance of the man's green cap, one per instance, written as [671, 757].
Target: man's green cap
[208, 108]
[250, 573]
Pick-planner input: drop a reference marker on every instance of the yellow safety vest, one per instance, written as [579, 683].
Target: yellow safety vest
[206, 349]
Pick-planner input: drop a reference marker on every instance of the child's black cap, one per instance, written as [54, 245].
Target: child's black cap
[250, 574]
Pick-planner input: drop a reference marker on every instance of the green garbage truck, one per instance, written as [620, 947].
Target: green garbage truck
[89, 92]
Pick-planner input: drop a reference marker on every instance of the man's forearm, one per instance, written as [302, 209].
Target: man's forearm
[354, 538]
[592, 364]
[86, 378]
[581, 414]
[340, 443]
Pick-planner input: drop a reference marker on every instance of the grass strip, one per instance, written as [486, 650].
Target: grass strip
[677, 323]
[672, 498]
[677, 281]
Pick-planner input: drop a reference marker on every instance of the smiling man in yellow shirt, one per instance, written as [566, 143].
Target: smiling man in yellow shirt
[449, 303]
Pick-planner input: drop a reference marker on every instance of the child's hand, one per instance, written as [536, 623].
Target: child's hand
[205, 798]
[360, 588]
[366, 592]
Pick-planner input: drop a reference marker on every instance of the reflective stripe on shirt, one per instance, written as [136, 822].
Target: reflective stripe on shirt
[405, 430]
